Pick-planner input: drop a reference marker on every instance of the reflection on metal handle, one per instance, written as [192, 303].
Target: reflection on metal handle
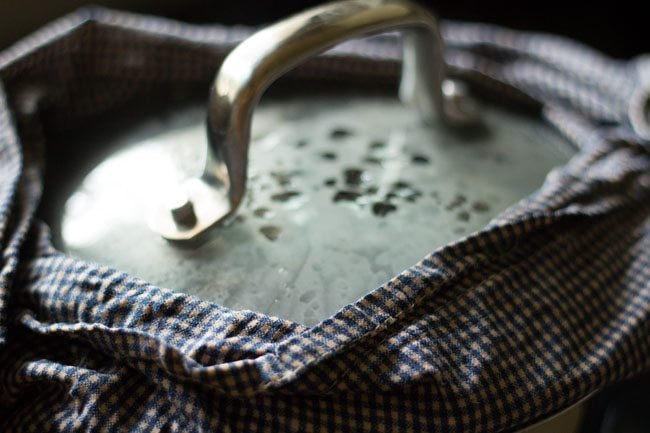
[253, 65]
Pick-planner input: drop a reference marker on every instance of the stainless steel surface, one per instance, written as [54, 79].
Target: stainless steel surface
[258, 61]
[568, 420]
[339, 199]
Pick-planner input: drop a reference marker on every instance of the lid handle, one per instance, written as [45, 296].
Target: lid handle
[266, 55]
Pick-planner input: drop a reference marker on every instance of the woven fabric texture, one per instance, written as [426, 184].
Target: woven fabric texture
[548, 303]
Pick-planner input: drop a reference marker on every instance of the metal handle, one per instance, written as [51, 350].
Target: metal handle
[255, 63]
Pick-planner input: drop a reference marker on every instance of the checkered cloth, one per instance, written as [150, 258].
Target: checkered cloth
[548, 303]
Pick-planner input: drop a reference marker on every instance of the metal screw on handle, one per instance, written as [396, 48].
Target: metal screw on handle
[259, 60]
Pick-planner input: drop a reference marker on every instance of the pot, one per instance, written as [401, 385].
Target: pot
[305, 202]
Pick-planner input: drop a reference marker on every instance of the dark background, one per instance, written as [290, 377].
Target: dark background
[618, 28]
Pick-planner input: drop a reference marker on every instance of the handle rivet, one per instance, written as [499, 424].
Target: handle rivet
[181, 208]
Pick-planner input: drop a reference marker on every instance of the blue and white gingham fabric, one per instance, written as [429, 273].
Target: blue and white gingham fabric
[548, 303]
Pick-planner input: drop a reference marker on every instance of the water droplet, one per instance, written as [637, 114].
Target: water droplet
[457, 201]
[340, 133]
[480, 206]
[373, 160]
[383, 208]
[353, 176]
[372, 190]
[346, 196]
[403, 190]
[419, 159]
[284, 177]
[271, 232]
[307, 297]
[285, 196]
[263, 212]
[329, 156]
